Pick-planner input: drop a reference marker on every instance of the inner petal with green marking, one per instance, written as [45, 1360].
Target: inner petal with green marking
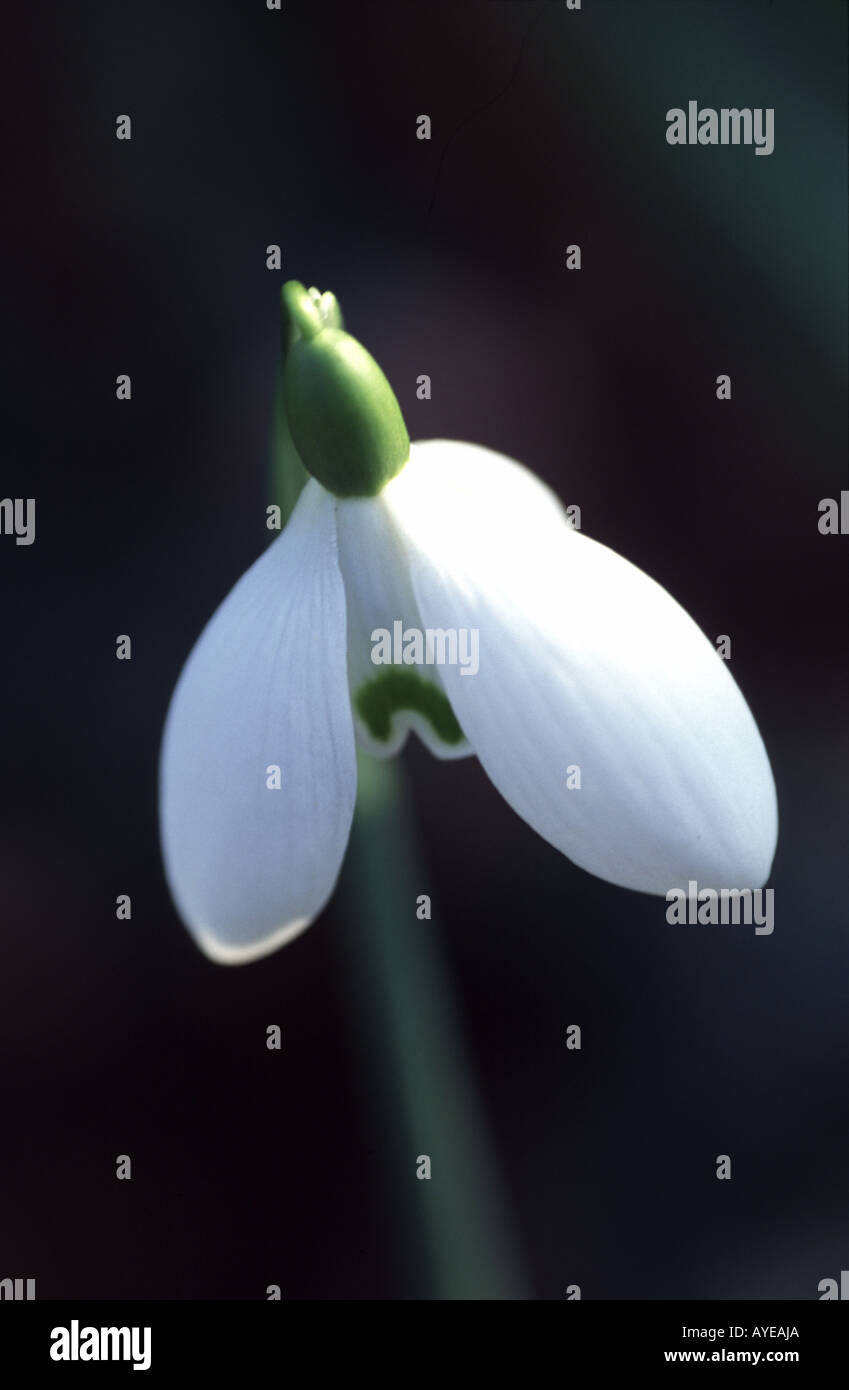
[394, 687]
[394, 692]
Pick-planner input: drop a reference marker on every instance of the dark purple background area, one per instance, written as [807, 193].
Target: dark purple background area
[148, 257]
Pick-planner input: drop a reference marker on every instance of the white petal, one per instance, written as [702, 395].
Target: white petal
[585, 661]
[375, 568]
[249, 866]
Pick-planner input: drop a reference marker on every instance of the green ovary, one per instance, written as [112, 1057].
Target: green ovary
[393, 691]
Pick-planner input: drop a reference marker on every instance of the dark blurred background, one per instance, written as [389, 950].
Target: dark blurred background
[147, 257]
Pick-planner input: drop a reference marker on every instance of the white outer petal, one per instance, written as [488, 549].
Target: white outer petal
[249, 868]
[585, 660]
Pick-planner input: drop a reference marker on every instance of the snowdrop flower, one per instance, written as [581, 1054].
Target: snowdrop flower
[584, 662]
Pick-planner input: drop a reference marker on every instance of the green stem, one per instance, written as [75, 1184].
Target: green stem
[419, 1071]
